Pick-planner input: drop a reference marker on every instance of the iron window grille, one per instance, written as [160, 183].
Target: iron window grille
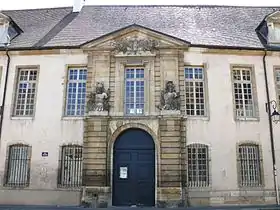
[249, 162]
[198, 165]
[18, 166]
[70, 173]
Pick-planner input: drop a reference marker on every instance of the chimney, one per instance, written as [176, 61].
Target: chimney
[78, 5]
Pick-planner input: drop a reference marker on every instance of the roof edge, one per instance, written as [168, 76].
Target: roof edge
[191, 45]
[227, 47]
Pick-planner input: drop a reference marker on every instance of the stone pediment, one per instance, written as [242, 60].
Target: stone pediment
[135, 40]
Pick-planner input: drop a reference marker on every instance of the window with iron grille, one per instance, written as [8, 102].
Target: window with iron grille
[71, 166]
[26, 90]
[76, 92]
[134, 91]
[243, 92]
[18, 166]
[198, 165]
[195, 91]
[277, 83]
[249, 162]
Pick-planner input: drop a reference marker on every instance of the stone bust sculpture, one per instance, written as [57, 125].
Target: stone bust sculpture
[170, 99]
[98, 99]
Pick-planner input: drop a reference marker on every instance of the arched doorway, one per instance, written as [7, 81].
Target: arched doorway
[134, 169]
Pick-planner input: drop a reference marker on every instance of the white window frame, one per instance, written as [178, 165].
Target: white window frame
[195, 82]
[77, 112]
[194, 176]
[21, 81]
[136, 111]
[242, 113]
[249, 159]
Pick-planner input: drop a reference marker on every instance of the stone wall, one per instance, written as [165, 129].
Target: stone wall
[170, 186]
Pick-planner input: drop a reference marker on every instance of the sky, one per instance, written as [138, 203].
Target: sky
[33, 4]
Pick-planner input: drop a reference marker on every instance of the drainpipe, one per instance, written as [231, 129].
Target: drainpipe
[5, 91]
[270, 130]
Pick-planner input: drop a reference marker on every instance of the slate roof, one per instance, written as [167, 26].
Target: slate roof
[222, 26]
[35, 24]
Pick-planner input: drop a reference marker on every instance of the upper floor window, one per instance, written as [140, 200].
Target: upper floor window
[76, 92]
[8, 30]
[195, 91]
[4, 36]
[18, 166]
[249, 163]
[198, 165]
[70, 173]
[273, 32]
[243, 92]
[134, 91]
[26, 92]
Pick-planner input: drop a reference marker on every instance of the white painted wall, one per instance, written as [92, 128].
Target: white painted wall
[221, 132]
[47, 131]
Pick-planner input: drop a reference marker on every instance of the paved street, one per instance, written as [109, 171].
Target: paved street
[260, 207]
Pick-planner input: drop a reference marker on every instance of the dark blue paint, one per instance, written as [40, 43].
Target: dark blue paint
[134, 149]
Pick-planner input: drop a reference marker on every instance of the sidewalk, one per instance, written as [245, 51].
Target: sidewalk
[43, 207]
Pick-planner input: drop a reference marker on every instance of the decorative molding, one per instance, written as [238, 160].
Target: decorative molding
[134, 45]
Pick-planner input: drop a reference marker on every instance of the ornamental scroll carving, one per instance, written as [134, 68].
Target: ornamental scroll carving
[99, 99]
[135, 45]
[170, 99]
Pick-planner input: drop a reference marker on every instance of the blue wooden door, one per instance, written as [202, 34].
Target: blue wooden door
[134, 169]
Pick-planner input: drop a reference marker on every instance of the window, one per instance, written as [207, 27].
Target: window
[198, 165]
[134, 91]
[249, 165]
[243, 93]
[274, 32]
[76, 92]
[195, 91]
[26, 92]
[18, 166]
[277, 84]
[71, 166]
[4, 35]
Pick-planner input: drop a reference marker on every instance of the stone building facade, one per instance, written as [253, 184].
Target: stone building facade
[151, 112]
[161, 58]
